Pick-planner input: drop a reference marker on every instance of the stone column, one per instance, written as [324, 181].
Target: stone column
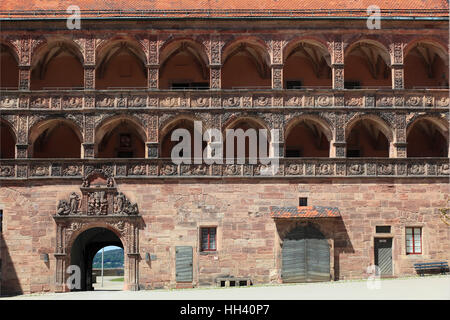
[399, 144]
[277, 76]
[397, 67]
[338, 146]
[215, 76]
[22, 145]
[337, 64]
[153, 76]
[88, 143]
[24, 77]
[89, 63]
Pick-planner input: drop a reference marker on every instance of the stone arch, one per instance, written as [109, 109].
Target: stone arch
[252, 50]
[108, 125]
[301, 223]
[367, 63]
[434, 145]
[134, 58]
[236, 118]
[426, 62]
[440, 45]
[63, 51]
[312, 137]
[185, 121]
[324, 124]
[8, 146]
[307, 62]
[383, 125]
[46, 126]
[12, 49]
[371, 123]
[380, 42]
[9, 67]
[184, 44]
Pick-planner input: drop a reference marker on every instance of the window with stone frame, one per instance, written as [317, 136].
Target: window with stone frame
[413, 240]
[208, 238]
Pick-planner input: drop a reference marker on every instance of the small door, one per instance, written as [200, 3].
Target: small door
[383, 255]
[183, 263]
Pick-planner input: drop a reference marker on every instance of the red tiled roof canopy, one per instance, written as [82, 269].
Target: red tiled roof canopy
[221, 8]
[304, 212]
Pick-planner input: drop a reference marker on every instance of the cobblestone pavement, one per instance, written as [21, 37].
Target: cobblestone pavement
[428, 287]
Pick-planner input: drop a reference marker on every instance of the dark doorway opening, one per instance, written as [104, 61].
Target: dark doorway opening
[85, 248]
[383, 256]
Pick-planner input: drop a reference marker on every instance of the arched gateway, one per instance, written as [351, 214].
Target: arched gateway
[100, 216]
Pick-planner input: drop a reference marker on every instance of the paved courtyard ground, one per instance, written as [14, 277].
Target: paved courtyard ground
[423, 288]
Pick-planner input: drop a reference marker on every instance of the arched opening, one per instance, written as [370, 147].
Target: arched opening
[367, 64]
[167, 144]
[9, 68]
[121, 65]
[365, 139]
[57, 65]
[7, 141]
[120, 138]
[184, 65]
[108, 269]
[426, 66]
[248, 142]
[307, 138]
[246, 65]
[307, 65]
[55, 139]
[84, 249]
[426, 140]
[305, 256]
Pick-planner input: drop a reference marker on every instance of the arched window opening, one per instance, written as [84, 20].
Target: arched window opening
[7, 142]
[307, 65]
[246, 66]
[58, 65]
[9, 68]
[367, 65]
[426, 66]
[121, 139]
[367, 140]
[57, 139]
[121, 66]
[426, 140]
[167, 144]
[184, 66]
[249, 141]
[307, 139]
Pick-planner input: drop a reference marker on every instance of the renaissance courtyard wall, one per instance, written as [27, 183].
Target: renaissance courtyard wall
[248, 238]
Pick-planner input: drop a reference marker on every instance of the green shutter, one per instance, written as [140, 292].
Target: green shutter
[183, 263]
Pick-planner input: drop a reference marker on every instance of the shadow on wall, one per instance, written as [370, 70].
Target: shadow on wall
[9, 282]
[342, 244]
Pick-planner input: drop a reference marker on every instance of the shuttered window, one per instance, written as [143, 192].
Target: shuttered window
[413, 240]
[208, 239]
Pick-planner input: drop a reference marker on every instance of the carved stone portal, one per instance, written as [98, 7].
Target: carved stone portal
[100, 205]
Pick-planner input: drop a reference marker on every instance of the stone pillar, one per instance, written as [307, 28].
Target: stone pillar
[89, 77]
[88, 150]
[24, 77]
[337, 64]
[399, 144]
[89, 63]
[60, 274]
[152, 150]
[153, 63]
[397, 68]
[153, 76]
[215, 76]
[338, 147]
[277, 76]
[22, 150]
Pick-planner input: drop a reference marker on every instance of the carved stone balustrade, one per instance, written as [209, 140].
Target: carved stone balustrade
[223, 99]
[165, 168]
